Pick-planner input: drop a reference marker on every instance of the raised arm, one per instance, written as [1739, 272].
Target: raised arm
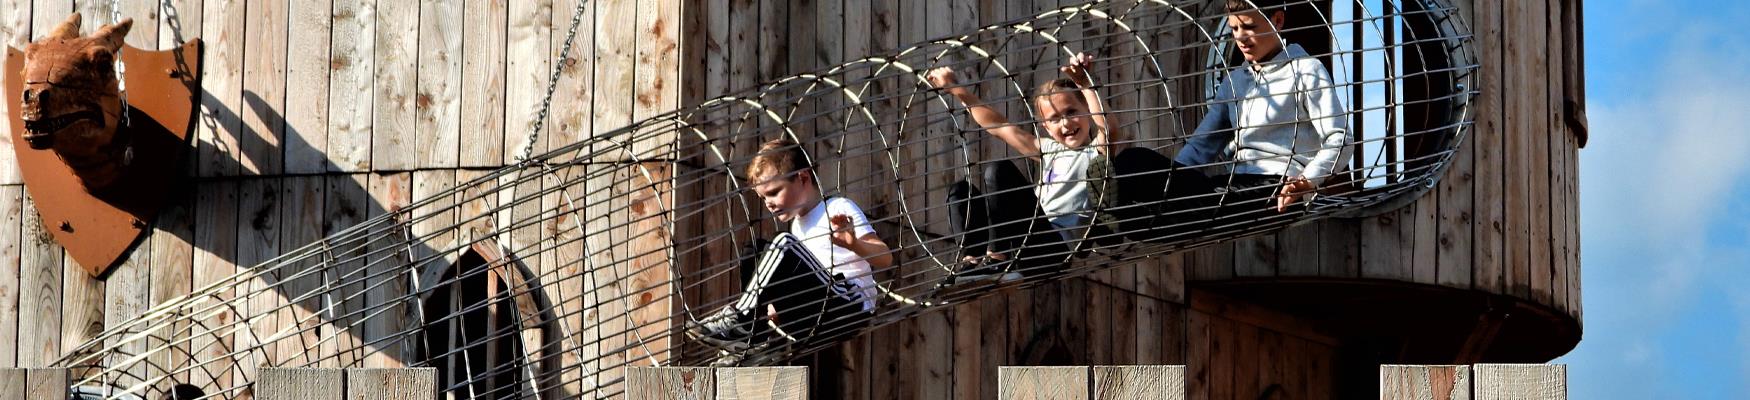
[1108, 140]
[993, 121]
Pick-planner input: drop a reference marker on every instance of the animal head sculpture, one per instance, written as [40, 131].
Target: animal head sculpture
[71, 103]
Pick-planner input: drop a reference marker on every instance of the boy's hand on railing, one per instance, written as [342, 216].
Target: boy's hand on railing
[1078, 68]
[1292, 190]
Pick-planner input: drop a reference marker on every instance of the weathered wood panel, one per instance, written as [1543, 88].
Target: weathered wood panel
[301, 384]
[526, 69]
[11, 216]
[39, 295]
[12, 383]
[264, 88]
[484, 27]
[1520, 381]
[46, 384]
[1160, 382]
[1489, 263]
[391, 383]
[437, 98]
[307, 69]
[1423, 382]
[651, 383]
[770, 383]
[1061, 383]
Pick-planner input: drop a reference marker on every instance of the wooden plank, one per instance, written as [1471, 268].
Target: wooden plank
[13, 383]
[172, 252]
[656, 74]
[215, 244]
[39, 296]
[11, 218]
[762, 383]
[1065, 383]
[258, 240]
[351, 85]
[1424, 382]
[1339, 247]
[45, 14]
[179, 21]
[526, 69]
[1298, 251]
[127, 294]
[1453, 262]
[484, 26]
[46, 383]
[1486, 230]
[302, 218]
[306, 72]
[300, 383]
[395, 144]
[1424, 238]
[1557, 155]
[219, 134]
[1385, 246]
[1255, 256]
[15, 20]
[391, 383]
[1198, 360]
[81, 304]
[570, 118]
[264, 88]
[344, 206]
[1521, 381]
[671, 383]
[1516, 175]
[386, 296]
[437, 101]
[1139, 382]
[1537, 135]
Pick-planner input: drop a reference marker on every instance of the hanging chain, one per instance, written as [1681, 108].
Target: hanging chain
[121, 69]
[552, 84]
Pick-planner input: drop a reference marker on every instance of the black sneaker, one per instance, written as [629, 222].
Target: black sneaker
[727, 328]
[981, 270]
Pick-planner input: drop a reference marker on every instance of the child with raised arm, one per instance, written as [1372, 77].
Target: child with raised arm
[814, 279]
[1018, 219]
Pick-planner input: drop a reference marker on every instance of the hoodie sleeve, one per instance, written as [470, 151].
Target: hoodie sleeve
[1209, 142]
[1328, 119]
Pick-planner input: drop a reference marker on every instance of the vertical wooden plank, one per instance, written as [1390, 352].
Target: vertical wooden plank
[81, 304]
[1298, 251]
[1521, 381]
[215, 244]
[1384, 254]
[391, 383]
[306, 102]
[526, 69]
[11, 216]
[300, 384]
[1453, 262]
[127, 294]
[219, 130]
[179, 20]
[484, 27]
[1537, 134]
[46, 384]
[262, 298]
[39, 296]
[1556, 155]
[437, 99]
[390, 313]
[302, 217]
[764, 383]
[344, 206]
[1339, 247]
[351, 83]
[1198, 360]
[172, 252]
[1487, 230]
[15, 20]
[264, 88]
[1424, 382]
[45, 14]
[671, 383]
[1424, 266]
[570, 118]
[1020, 383]
[1516, 176]
[1255, 256]
[1139, 382]
[394, 145]
[13, 383]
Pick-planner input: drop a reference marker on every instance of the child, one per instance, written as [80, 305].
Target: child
[992, 227]
[1275, 125]
[811, 280]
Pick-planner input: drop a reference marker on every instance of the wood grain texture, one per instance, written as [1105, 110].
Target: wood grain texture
[526, 70]
[307, 76]
[219, 129]
[671, 383]
[1057, 383]
[763, 383]
[39, 293]
[1520, 381]
[1424, 382]
[264, 88]
[1487, 231]
[391, 384]
[437, 98]
[300, 384]
[13, 383]
[46, 384]
[11, 217]
[351, 85]
[1161, 382]
[395, 144]
[484, 27]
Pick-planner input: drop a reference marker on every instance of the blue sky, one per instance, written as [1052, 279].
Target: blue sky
[1665, 202]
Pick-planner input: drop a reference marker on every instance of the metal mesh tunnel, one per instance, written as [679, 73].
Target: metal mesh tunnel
[546, 279]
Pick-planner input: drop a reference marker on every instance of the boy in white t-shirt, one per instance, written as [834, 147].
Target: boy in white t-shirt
[814, 280]
[999, 226]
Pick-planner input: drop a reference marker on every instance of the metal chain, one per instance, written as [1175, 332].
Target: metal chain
[552, 84]
[121, 69]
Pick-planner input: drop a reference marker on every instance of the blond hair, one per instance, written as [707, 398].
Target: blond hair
[777, 158]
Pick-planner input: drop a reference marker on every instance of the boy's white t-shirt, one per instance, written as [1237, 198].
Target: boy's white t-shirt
[1063, 182]
[815, 230]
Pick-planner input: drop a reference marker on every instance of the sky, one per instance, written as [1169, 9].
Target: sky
[1665, 202]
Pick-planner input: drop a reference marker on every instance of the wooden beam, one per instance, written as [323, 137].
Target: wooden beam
[1424, 382]
[391, 383]
[1061, 383]
[1162, 382]
[766, 383]
[1521, 382]
[300, 383]
[652, 383]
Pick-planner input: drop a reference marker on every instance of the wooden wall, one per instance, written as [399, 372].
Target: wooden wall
[319, 114]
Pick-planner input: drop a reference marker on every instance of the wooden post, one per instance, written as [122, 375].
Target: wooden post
[391, 383]
[1058, 383]
[1150, 382]
[770, 383]
[678, 383]
[300, 383]
[1521, 381]
[1424, 382]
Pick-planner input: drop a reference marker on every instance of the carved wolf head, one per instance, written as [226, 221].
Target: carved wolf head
[70, 100]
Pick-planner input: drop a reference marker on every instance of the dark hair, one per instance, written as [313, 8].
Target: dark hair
[1055, 86]
[1240, 6]
[778, 157]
